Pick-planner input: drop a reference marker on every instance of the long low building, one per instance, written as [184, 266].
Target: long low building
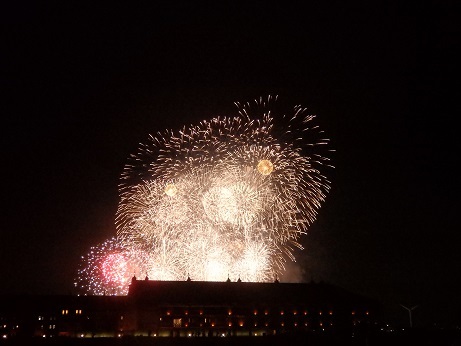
[191, 309]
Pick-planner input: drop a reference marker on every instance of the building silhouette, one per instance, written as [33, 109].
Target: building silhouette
[191, 309]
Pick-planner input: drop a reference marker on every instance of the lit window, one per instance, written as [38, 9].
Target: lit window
[177, 323]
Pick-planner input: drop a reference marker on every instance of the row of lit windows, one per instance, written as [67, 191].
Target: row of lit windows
[366, 313]
[240, 320]
[168, 313]
[66, 312]
[177, 323]
[41, 318]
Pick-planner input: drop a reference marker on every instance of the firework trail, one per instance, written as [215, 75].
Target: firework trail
[226, 198]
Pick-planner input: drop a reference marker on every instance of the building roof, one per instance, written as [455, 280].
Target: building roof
[235, 293]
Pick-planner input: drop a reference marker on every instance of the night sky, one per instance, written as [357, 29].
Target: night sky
[83, 84]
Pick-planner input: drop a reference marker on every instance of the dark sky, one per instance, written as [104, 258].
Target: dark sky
[83, 84]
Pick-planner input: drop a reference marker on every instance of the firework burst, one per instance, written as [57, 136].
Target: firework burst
[109, 267]
[226, 198]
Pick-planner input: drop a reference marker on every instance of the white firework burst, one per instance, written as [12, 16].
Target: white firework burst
[228, 197]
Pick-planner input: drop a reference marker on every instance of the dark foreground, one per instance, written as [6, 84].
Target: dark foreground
[417, 338]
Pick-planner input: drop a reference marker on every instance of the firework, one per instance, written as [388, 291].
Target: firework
[109, 267]
[225, 198]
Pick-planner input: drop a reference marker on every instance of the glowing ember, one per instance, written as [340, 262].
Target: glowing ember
[265, 167]
[171, 190]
